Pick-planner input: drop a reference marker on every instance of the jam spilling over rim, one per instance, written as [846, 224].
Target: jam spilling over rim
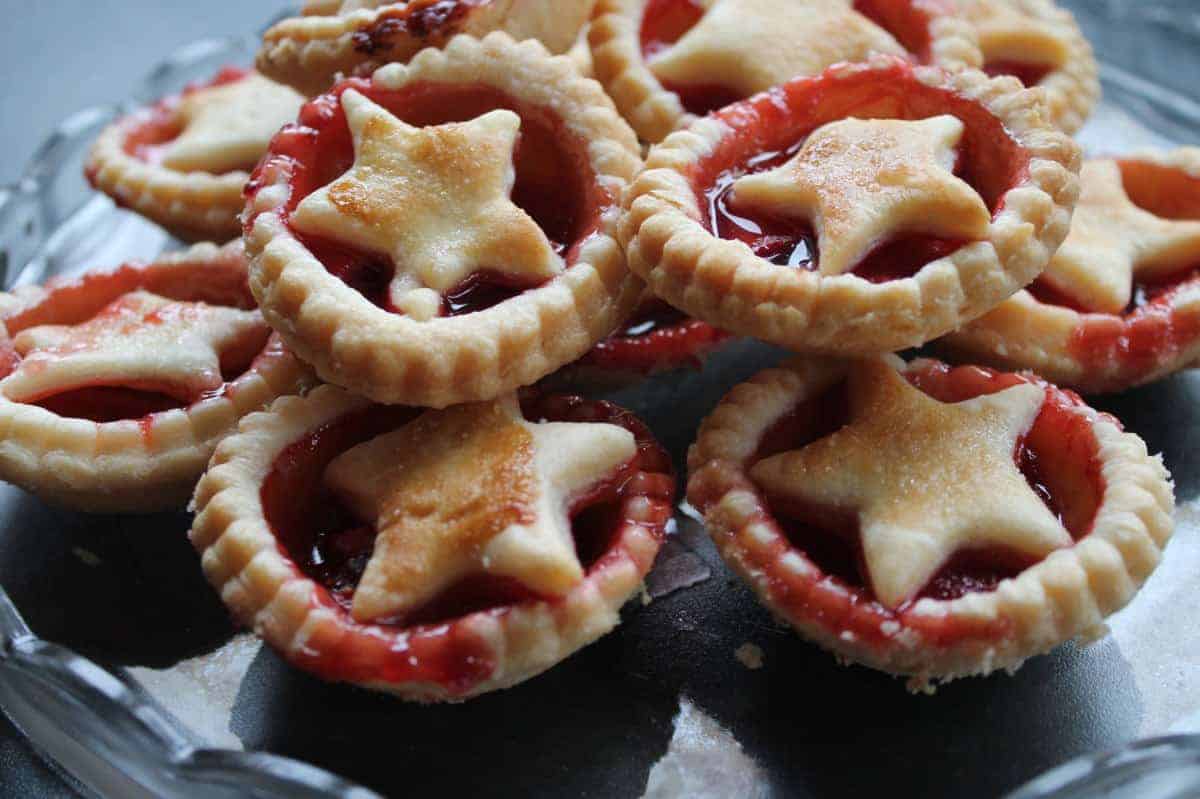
[436, 643]
[1152, 327]
[656, 337]
[664, 22]
[73, 301]
[1059, 458]
[555, 184]
[769, 130]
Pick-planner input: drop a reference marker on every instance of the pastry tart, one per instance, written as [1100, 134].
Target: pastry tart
[874, 207]
[436, 555]
[183, 162]
[1119, 305]
[117, 385]
[657, 338]
[443, 232]
[1041, 45]
[331, 38]
[929, 521]
[667, 62]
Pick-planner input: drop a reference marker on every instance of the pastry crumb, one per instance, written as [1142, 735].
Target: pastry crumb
[750, 656]
[88, 557]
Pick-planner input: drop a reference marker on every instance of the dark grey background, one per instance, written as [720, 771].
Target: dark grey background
[59, 56]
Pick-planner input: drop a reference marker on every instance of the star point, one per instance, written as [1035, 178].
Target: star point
[926, 478]
[436, 200]
[1113, 242]
[473, 489]
[860, 181]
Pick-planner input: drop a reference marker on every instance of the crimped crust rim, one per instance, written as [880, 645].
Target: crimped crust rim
[265, 589]
[127, 466]
[1065, 596]
[724, 283]
[450, 360]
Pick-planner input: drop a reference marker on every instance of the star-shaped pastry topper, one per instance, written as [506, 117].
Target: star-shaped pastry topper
[140, 341]
[926, 478]
[1113, 241]
[434, 199]
[858, 182]
[1008, 34]
[228, 127]
[751, 45]
[473, 489]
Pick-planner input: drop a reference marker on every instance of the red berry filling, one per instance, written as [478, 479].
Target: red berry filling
[1058, 456]
[1152, 329]
[768, 130]
[656, 337]
[159, 125]
[664, 22]
[1029, 74]
[74, 301]
[327, 544]
[432, 21]
[554, 183]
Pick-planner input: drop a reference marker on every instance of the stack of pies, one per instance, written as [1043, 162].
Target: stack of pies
[438, 218]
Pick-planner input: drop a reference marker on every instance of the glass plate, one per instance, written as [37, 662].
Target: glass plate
[184, 691]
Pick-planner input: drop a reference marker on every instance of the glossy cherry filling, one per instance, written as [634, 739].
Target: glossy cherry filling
[159, 125]
[73, 301]
[330, 546]
[1153, 328]
[656, 337]
[1030, 74]
[431, 21]
[554, 179]
[1058, 457]
[664, 22]
[793, 244]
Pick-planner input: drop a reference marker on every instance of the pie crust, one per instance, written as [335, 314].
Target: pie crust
[434, 360]
[1041, 44]
[183, 162]
[463, 650]
[355, 37]
[1116, 499]
[1023, 168]
[151, 461]
[616, 35]
[1139, 214]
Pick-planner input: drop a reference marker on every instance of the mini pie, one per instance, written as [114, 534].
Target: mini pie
[183, 162]
[667, 62]
[457, 261]
[333, 38]
[436, 555]
[657, 338]
[872, 208]
[1041, 45]
[1119, 305]
[929, 521]
[117, 385]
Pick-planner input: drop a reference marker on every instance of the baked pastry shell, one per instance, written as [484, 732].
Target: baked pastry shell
[478, 356]
[1065, 596]
[267, 591]
[1024, 333]
[654, 111]
[723, 282]
[137, 465]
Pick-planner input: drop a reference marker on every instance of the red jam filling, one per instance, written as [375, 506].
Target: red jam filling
[431, 21]
[74, 301]
[159, 125]
[656, 337]
[768, 130]
[1152, 329]
[1028, 73]
[554, 182]
[331, 547]
[1058, 456]
[664, 22]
